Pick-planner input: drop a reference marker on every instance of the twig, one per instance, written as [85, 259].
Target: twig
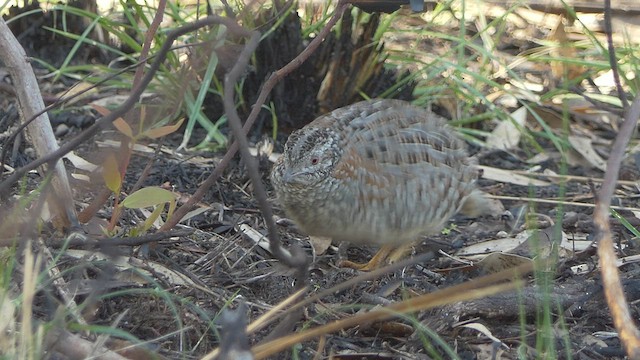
[250, 162]
[480, 287]
[60, 284]
[614, 294]
[582, 179]
[75, 347]
[256, 108]
[600, 105]
[148, 39]
[111, 242]
[291, 303]
[265, 319]
[622, 319]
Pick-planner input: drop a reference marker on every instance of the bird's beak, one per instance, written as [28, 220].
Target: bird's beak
[289, 177]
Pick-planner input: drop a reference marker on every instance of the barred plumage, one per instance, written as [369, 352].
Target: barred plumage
[377, 172]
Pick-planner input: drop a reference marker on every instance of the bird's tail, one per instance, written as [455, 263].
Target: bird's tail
[478, 204]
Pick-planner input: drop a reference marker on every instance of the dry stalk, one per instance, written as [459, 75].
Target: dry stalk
[614, 294]
[622, 319]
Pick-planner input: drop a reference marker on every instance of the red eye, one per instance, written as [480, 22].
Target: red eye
[314, 161]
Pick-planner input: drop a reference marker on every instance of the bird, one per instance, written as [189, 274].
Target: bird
[378, 172]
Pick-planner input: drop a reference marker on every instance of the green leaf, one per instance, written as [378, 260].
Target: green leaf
[151, 219]
[111, 174]
[149, 196]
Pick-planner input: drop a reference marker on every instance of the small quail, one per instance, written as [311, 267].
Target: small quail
[380, 172]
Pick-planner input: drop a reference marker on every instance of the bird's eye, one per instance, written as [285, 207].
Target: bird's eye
[314, 161]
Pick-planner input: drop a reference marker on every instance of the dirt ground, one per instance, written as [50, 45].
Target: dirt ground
[187, 281]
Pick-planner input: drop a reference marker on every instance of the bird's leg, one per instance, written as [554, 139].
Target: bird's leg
[399, 253]
[376, 261]
[343, 247]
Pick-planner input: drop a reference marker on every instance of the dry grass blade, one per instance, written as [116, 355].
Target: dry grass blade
[557, 202]
[274, 314]
[478, 288]
[267, 317]
[27, 350]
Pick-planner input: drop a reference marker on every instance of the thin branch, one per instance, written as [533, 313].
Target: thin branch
[250, 162]
[110, 242]
[122, 109]
[622, 319]
[478, 288]
[148, 39]
[600, 105]
[614, 294]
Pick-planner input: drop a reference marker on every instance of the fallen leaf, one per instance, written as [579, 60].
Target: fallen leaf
[506, 176]
[320, 244]
[498, 261]
[507, 134]
[485, 331]
[584, 147]
[79, 162]
[258, 238]
[565, 49]
[81, 90]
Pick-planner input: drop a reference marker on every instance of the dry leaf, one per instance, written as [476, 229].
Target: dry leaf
[79, 162]
[506, 176]
[549, 115]
[539, 158]
[584, 147]
[496, 262]
[258, 238]
[485, 331]
[81, 90]
[130, 268]
[479, 250]
[507, 134]
[320, 244]
[566, 50]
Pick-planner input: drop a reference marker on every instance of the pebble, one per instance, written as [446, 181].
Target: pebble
[61, 130]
